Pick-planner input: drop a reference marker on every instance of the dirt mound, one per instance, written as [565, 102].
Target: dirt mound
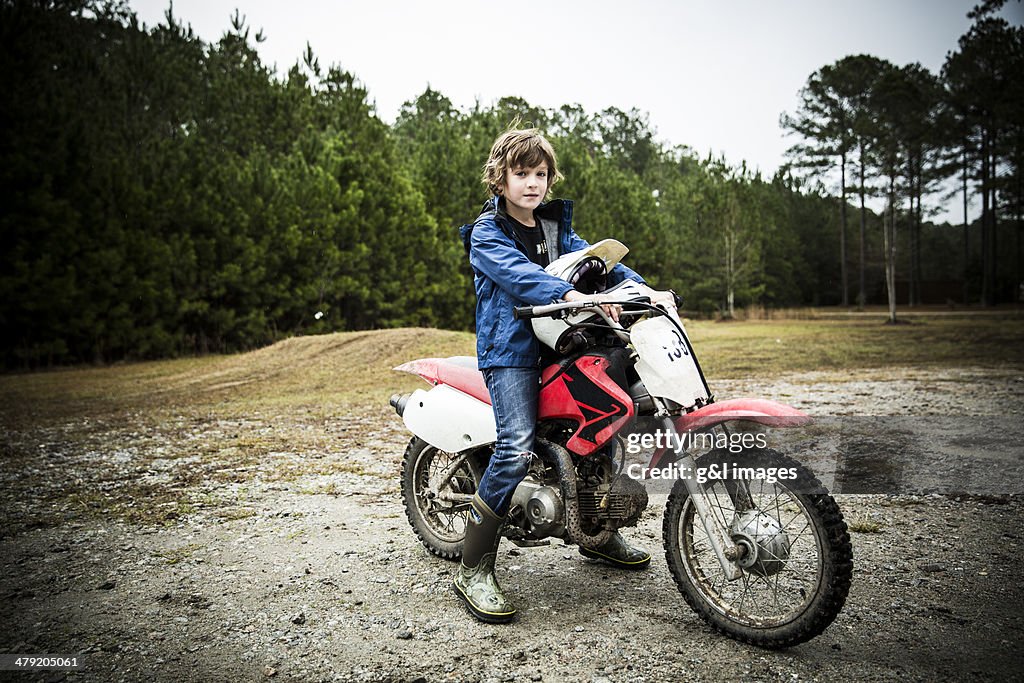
[345, 368]
[347, 364]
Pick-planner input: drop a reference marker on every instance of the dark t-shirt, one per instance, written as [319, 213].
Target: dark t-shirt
[536, 247]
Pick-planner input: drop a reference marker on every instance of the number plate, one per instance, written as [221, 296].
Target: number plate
[666, 366]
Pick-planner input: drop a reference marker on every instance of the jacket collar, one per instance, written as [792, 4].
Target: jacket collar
[553, 217]
[559, 210]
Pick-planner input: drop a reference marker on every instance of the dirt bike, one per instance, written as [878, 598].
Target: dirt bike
[756, 545]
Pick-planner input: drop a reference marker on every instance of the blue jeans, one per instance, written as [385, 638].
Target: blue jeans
[514, 393]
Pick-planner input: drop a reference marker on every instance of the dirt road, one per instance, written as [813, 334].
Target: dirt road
[124, 542]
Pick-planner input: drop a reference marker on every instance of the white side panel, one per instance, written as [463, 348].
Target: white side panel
[449, 419]
[666, 365]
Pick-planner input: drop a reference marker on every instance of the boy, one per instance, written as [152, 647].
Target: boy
[511, 242]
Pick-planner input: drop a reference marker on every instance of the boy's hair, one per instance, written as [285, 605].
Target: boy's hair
[517, 148]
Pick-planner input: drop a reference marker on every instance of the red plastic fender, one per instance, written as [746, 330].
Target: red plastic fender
[424, 367]
[760, 410]
[450, 371]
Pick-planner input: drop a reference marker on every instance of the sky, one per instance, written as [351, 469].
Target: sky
[714, 76]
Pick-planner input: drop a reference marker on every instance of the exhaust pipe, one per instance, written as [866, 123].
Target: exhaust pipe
[560, 458]
[398, 402]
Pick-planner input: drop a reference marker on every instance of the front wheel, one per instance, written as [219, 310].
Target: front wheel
[796, 560]
[437, 488]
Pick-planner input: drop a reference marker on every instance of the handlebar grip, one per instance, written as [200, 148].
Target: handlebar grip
[522, 312]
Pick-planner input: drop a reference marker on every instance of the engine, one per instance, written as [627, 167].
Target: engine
[616, 504]
[605, 498]
[538, 509]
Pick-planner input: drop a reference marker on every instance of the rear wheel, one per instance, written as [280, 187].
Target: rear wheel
[797, 559]
[437, 488]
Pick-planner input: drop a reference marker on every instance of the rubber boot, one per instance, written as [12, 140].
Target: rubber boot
[475, 582]
[619, 554]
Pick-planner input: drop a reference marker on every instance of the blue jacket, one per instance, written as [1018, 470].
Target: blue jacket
[504, 277]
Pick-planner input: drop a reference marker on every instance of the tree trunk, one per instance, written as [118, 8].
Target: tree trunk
[912, 283]
[844, 277]
[862, 298]
[994, 223]
[987, 281]
[730, 273]
[911, 290]
[889, 246]
[1019, 280]
[967, 243]
[920, 228]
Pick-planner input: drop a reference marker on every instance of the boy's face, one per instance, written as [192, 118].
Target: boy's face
[524, 190]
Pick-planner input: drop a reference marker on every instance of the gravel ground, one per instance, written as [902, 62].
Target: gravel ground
[318, 576]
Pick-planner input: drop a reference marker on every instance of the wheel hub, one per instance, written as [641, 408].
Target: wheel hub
[764, 542]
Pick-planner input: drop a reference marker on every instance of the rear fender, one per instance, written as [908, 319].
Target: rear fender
[427, 368]
[459, 372]
[448, 419]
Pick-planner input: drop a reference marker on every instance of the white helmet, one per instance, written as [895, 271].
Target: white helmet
[586, 270]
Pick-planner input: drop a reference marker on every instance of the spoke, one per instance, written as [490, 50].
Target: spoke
[775, 593]
[766, 502]
[800, 513]
[743, 595]
[718, 504]
[800, 533]
[778, 512]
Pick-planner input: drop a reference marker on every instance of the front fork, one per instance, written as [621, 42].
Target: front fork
[727, 552]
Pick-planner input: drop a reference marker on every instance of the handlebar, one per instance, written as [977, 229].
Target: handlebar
[522, 312]
[564, 307]
[553, 310]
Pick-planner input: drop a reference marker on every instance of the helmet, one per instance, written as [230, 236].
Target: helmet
[587, 271]
[589, 276]
[610, 252]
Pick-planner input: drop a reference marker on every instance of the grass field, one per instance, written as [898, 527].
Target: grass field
[769, 348]
[281, 413]
[355, 368]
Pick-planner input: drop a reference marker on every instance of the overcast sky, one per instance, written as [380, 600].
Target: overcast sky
[711, 75]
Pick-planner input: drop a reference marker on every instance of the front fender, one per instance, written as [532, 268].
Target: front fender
[760, 410]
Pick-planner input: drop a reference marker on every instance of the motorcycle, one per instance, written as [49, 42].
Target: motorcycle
[754, 542]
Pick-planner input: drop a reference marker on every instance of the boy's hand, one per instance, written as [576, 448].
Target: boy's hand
[611, 310]
[663, 299]
[666, 300]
